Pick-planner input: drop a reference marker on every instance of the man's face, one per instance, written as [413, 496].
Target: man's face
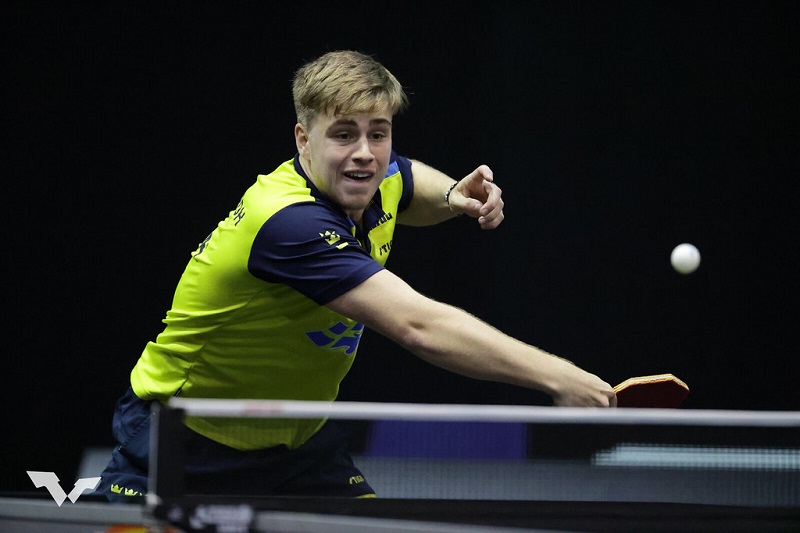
[346, 157]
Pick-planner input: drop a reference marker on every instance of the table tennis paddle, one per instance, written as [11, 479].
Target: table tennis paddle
[659, 391]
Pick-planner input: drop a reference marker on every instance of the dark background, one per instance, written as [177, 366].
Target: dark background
[617, 130]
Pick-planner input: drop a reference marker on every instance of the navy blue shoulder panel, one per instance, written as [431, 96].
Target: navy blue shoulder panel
[404, 165]
[309, 246]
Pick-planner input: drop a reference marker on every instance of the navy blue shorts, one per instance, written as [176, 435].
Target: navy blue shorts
[320, 467]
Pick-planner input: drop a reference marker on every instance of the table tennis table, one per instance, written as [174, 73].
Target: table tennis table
[589, 471]
[32, 514]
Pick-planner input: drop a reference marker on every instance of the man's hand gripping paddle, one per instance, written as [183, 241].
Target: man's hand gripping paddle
[659, 391]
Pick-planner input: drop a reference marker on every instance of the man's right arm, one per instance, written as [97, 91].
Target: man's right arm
[455, 340]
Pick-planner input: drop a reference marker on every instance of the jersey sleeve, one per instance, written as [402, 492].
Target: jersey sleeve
[309, 247]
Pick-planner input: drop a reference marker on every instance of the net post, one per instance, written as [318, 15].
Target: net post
[166, 466]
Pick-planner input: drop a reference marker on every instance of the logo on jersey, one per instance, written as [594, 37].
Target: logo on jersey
[117, 489]
[338, 336]
[333, 238]
[386, 217]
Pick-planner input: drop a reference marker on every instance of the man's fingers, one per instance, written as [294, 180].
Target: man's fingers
[486, 172]
[481, 174]
[491, 222]
[481, 198]
[494, 199]
[491, 213]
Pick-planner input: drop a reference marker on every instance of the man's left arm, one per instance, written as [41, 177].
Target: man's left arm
[437, 197]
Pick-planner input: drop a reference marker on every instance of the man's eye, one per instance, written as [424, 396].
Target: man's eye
[342, 135]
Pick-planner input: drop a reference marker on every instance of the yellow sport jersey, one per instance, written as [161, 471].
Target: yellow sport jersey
[248, 319]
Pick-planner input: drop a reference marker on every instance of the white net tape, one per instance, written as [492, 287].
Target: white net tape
[480, 413]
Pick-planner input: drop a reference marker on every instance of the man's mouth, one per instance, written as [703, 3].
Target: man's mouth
[358, 176]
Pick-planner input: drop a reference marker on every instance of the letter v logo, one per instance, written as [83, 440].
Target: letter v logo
[50, 481]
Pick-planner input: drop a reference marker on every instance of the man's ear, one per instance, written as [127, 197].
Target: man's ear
[301, 139]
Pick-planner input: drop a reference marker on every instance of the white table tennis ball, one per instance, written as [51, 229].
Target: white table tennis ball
[685, 258]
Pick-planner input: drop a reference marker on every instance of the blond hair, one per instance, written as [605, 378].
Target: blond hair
[343, 83]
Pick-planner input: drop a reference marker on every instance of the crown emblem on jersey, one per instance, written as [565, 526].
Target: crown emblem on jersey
[116, 489]
[331, 237]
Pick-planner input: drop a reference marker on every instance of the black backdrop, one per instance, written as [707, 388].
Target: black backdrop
[616, 129]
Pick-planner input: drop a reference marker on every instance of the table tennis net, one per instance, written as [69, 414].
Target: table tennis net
[470, 452]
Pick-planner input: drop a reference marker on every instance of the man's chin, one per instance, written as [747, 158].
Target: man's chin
[357, 198]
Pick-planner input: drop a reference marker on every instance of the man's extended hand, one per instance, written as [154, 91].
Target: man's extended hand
[578, 388]
[479, 197]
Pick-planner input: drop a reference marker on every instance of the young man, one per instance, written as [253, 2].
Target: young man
[273, 303]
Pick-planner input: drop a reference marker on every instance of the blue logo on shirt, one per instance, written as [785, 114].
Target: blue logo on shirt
[338, 336]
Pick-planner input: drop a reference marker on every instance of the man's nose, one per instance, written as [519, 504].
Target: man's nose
[363, 150]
